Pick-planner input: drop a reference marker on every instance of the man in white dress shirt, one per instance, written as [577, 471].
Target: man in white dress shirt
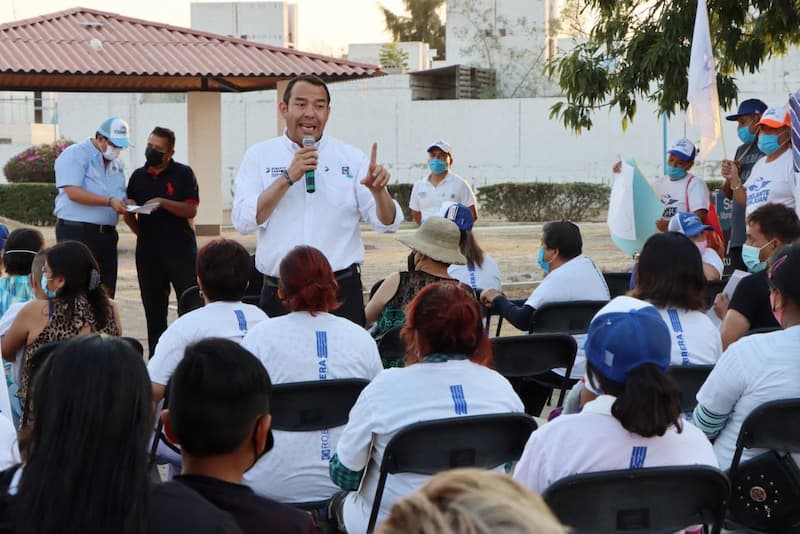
[324, 212]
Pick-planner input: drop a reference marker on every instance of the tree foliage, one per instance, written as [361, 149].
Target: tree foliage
[422, 24]
[639, 50]
[392, 56]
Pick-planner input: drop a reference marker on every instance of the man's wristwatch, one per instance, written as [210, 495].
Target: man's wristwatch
[109, 200]
[288, 178]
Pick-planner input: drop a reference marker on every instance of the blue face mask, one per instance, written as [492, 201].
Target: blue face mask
[751, 257]
[545, 265]
[768, 143]
[745, 135]
[675, 173]
[437, 166]
[49, 293]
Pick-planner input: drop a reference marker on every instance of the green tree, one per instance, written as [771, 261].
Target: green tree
[391, 56]
[421, 24]
[639, 50]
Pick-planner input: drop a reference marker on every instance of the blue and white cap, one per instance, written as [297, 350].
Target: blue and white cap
[117, 131]
[684, 149]
[687, 223]
[459, 214]
[444, 146]
[625, 334]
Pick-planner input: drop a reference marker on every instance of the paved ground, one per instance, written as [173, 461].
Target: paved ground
[513, 246]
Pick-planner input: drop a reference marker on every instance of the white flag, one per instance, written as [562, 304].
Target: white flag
[702, 93]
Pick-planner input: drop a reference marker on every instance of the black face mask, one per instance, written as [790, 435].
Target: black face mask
[268, 445]
[154, 157]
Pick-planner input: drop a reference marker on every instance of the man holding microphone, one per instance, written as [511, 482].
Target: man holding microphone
[347, 187]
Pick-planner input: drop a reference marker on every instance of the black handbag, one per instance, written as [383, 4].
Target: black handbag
[765, 493]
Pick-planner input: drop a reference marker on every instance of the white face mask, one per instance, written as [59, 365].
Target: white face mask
[112, 152]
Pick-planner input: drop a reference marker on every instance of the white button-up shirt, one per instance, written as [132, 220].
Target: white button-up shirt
[327, 219]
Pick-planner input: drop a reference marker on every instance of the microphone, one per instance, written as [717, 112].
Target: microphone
[310, 186]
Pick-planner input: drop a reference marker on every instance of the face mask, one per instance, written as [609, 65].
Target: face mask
[154, 157]
[49, 293]
[778, 314]
[751, 257]
[545, 265]
[112, 152]
[702, 246]
[267, 446]
[745, 135]
[675, 173]
[437, 166]
[768, 143]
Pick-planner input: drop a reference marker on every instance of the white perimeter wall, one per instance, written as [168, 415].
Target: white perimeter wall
[493, 140]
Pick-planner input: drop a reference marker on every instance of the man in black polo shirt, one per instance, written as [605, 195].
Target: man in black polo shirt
[166, 247]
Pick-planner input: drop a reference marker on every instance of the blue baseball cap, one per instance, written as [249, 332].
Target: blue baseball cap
[117, 131]
[620, 341]
[459, 214]
[684, 149]
[687, 223]
[751, 106]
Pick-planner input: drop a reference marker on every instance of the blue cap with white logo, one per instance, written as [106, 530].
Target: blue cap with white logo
[620, 341]
[751, 106]
[117, 131]
[459, 214]
[684, 149]
[687, 223]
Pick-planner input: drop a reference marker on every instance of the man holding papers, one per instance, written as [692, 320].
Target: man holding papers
[165, 247]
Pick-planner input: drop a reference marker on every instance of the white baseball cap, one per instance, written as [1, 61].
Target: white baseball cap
[117, 131]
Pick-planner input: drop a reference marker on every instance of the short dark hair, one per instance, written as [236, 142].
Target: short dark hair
[647, 404]
[218, 392]
[223, 267]
[564, 236]
[776, 221]
[670, 273]
[165, 133]
[23, 244]
[309, 78]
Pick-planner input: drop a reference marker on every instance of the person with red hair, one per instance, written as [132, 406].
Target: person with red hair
[446, 375]
[310, 343]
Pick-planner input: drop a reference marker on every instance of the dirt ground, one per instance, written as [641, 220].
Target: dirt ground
[513, 246]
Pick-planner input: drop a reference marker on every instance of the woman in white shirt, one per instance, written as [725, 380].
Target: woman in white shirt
[758, 368]
[634, 423]
[480, 271]
[308, 344]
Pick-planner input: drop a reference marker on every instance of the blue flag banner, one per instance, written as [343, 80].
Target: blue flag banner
[633, 209]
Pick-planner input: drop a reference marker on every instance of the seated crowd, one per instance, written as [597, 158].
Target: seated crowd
[90, 400]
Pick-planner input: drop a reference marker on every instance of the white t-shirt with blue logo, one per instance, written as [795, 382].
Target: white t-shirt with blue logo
[400, 397]
[771, 182]
[595, 440]
[299, 347]
[673, 194]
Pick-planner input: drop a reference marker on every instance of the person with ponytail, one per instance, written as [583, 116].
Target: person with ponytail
[308, 344]
[636, 420]
[77, 304]
[758, 368]
[480, 271]
[446, 374]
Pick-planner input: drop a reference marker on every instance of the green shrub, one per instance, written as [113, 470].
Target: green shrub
[28, 203]
[35, 164]
[402, 194]
[544, 201]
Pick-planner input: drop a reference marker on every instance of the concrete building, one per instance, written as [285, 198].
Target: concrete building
[272, 23]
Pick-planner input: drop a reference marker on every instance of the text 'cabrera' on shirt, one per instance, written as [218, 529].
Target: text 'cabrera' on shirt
[327, 219]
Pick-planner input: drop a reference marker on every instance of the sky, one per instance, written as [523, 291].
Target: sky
[326, 26]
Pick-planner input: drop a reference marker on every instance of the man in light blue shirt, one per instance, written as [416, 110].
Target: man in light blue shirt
[91, 195]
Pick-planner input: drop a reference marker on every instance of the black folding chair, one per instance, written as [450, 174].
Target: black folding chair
[654, 499]
[618, 283]
[313, 405]
[391, 346]
[490, 312]
[429, 447]
[533, 354]
[773, 426]
[689, 379]
[160, 437]
[375, 287]
[190, 300]
[566, 317]
[713, 288]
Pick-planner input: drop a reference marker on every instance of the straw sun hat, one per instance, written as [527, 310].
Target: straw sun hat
[438, 239]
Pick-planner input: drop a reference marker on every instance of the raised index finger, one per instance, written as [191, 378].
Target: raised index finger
[373, 159]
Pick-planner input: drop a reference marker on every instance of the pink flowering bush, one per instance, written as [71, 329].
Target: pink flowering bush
[36, 163]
